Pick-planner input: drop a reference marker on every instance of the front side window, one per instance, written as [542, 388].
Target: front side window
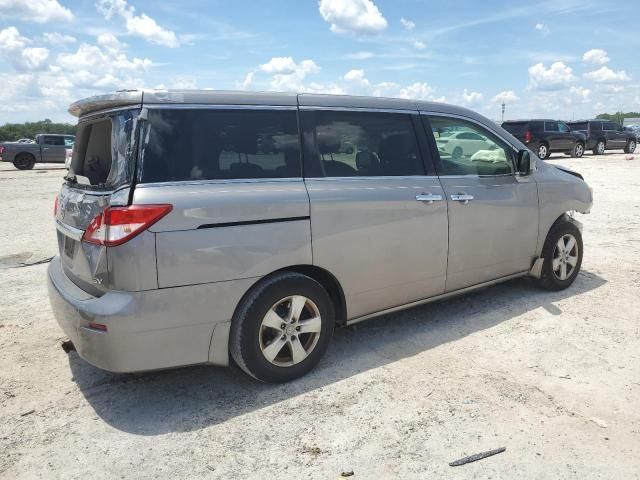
[200, 144]
[472, 151]
[611, 126]
[351, 144]
[563, 127]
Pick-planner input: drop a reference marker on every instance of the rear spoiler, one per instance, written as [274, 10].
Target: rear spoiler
[123, 98]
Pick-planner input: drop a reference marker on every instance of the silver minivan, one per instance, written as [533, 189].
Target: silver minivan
[196, 227]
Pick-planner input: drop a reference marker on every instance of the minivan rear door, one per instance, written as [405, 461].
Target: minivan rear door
[100, 175]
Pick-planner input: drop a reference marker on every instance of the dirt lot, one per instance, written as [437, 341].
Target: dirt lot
[553, 377]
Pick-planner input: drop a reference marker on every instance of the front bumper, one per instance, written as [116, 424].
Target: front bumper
[146, 330]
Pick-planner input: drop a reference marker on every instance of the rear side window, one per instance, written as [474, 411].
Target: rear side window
[103, 151]
[351, 144]
[597, 126]
[551, 127]
[579, 126]
[610, 126]
[197, 144]
[516, 128]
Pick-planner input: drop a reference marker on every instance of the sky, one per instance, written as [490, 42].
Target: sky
[553, 58]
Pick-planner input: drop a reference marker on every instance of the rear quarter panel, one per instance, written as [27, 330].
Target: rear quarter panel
[219, 231]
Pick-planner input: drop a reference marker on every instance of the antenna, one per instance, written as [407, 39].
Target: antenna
[504, 107]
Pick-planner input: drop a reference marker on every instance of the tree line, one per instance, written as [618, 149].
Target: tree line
[14, 131]
[618, 116]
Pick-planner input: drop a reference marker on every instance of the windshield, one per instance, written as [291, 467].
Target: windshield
[103, 151]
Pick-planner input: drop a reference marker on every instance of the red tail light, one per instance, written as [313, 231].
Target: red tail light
[1, 149]
[527, 136]
[117, 225]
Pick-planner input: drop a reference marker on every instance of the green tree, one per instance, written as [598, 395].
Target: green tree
[13, 131]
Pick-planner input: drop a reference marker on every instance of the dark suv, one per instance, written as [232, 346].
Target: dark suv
[605, 135]
[547, 136]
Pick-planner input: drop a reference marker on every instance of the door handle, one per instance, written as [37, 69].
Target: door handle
[428, 198]
[462, 197]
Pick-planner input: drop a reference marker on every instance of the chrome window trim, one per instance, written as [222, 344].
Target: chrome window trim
[217, 106]
[376, 177]
[359, 109]
[225, 181]
[483, 126]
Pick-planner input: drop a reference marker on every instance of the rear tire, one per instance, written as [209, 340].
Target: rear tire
[24, 161]
[274, 341]
[457, 153]
[578, 150]
[543, 151]
[631, 147]
[600, 148]
[562, 254]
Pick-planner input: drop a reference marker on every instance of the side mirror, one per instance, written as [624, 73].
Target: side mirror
[524, 163]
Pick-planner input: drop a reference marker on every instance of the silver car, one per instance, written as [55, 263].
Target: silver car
[196, 227]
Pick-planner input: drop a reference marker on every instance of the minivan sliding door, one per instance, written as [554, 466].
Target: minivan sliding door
[378, 220]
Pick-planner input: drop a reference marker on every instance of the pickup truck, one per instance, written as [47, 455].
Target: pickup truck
[47, 148]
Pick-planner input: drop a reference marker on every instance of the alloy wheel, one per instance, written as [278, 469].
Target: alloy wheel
[579, 150]
[290, 331]
[542, 151]
[565, 257]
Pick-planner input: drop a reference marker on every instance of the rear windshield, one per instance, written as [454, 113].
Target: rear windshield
[103, 152]
[200, 144]
[579, 126]
[516, 128]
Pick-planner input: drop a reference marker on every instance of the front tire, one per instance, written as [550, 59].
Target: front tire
[578, 150]
[562, 255]
[24, 161]
[631, 147]
[600, 148]
[282, 328]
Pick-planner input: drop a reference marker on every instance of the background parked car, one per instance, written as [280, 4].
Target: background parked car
[463, 144]
[605, 135]
[46, 148]
[635, 129]
[545, 137]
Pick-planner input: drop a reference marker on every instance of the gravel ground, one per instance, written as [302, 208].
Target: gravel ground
[553, 377]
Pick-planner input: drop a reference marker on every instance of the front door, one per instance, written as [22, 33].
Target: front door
[566, 137]
[53, 149]
[493, 214]
[378, 221]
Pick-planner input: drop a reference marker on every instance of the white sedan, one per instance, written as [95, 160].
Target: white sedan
[464, 144]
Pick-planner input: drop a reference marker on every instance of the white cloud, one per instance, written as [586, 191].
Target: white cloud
[39, 11]
[248, 80]
[542, 28]
[583, 94]
[284, 65]
[287, 74]
[358, 56]
[34, 58]
[109, 41]
[507, 96]
[141, 25]
[356, 80]
[417, 91]
[556, 77]
[606, 75]
[10, 39]
[419, 45]
[408, 24]
[56, 38]
[471, 98]
[354, 16]
[597, 56]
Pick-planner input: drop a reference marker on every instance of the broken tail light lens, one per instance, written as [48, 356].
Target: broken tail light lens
[117, 225]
